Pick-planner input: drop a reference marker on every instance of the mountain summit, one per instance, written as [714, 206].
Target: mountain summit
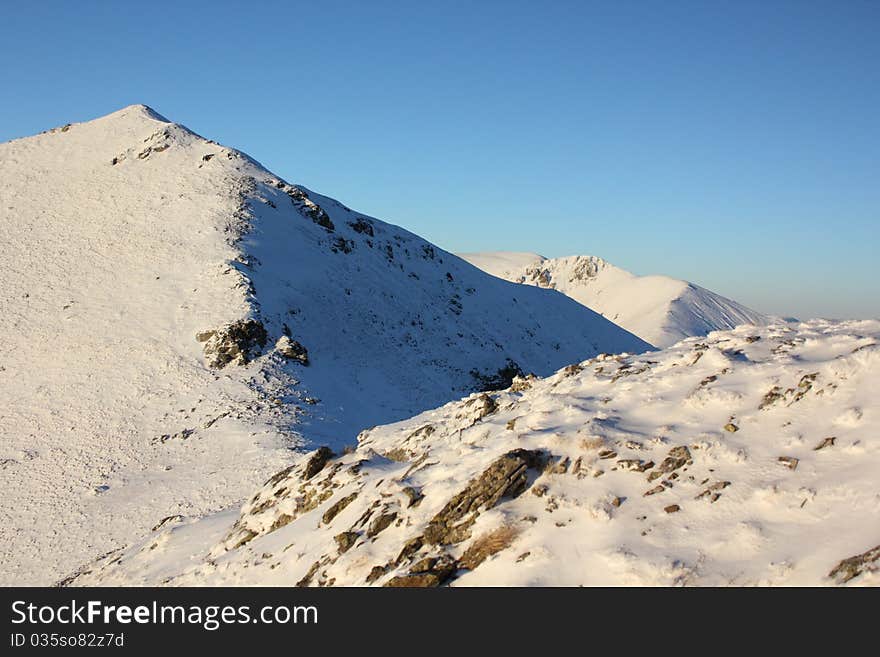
[175, 318]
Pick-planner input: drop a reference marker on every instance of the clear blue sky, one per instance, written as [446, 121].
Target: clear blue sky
[735, 144]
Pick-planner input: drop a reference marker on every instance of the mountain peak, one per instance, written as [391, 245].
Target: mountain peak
[173, 303]
[140, 110]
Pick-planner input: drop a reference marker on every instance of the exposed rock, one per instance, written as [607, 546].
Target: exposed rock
[398, 454]
[712, 491]
[479, 407]
[342, 245]
[428, 572]
[362, 226]
[772, 396]
[311, 209]
[789, 462]
[804, 386]
[345, 540]
[855, 566]
[316, 462]
[167, 520]
[506, 477]
[375, 573]
[292, 350]
[672, 508]
[678, 457]
[307, 579]
[827, 442]
[521, 383]
[381, 523]
[638, 465]
[414, 496]
[337, 507]
[730, 427]
[486, 545]
[559, 467]
[235, 343]
[412, 546]
[502, 379]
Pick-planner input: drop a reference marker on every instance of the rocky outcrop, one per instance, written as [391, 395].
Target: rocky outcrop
[506, 477]
[236, 343]
[854, 566]
[501, 379]
[292, 350]
[427, 572]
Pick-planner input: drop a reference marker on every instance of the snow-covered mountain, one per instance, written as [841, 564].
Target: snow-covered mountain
[174, 318]
[746, 457]
[659, 309]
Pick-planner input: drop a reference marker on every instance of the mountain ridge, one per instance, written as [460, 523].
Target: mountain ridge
[659, 309]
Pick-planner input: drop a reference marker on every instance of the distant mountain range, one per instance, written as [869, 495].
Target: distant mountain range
[659, 309]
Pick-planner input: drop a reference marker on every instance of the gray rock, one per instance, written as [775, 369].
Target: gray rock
[292, 350]
[678, 457]
[337, 508]
[316, 462]
[237, 343]
[506, 477]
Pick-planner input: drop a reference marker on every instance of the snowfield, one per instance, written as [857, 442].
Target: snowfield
[176, 321]
[659, 309]
[747, 457]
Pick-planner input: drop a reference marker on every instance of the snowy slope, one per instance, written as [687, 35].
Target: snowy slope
[161, 296]
[747, 457]
[659, 309]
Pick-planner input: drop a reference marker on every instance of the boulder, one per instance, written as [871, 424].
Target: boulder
[236, 343]
[292, 350]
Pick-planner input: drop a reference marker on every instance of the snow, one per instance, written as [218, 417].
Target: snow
[659, 309]
[124, 237]
[745, 457]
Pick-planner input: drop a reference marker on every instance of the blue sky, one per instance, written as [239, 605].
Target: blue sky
[735, 144]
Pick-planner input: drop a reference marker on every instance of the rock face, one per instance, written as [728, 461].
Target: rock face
[506, 477]
[235, 343]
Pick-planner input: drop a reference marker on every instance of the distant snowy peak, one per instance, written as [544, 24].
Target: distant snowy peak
[659, 309]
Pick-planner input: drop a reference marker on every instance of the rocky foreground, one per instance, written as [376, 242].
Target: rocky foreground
[746, 457]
